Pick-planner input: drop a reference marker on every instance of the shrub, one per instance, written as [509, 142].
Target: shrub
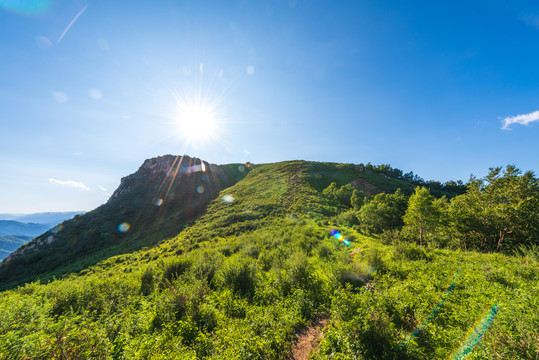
[239, 275]
[147, 282]
[174, 269]
[324, 251]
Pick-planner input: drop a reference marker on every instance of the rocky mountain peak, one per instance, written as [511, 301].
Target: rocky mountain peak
[164, 165]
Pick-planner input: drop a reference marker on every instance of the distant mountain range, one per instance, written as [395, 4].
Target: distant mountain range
[11, 227]
[18, 229]
[46, 218]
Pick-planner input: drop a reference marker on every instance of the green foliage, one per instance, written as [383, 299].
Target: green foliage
[147, 282]
[239, 274]
[174, 269]
[383, 212]
[357, 200]
[499, 212]
[347, 218]
[423, 215]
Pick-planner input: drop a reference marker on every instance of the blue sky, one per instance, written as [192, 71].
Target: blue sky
[89, 89]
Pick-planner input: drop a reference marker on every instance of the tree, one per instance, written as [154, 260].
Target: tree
[341, 195]
[423, 214]
[331, 191]
[499, 211]
[357, 200]
[383, 212]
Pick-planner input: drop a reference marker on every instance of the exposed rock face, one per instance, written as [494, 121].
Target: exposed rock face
[166, 165]
[367, 188]
[161, 164]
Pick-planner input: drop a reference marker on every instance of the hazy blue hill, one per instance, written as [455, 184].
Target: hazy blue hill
[11, 227]
[47, 218]
[18, 229]
[10, 243]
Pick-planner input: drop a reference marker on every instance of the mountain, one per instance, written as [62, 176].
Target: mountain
[166, 194]
[278, 257]
[46, 218]
[10, 227]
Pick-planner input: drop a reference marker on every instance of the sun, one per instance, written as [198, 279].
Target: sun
[196, 122]
[196, 117]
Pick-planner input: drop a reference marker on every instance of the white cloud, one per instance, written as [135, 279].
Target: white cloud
[59, 96]
[70, 183]
[102, 188]
[522, 119]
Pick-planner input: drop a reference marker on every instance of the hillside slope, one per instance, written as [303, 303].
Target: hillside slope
[161, 198]
[262, 263]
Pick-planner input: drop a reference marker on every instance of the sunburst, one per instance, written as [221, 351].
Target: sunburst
[196, 122]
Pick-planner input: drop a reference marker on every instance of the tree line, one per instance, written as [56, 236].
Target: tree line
[451, 186]
[499, 212]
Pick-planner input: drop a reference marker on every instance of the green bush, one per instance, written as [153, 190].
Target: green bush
[147, 282]
[239, 274]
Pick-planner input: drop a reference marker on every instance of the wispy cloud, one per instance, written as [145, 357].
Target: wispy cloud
[522, 119]
[70, 183]
[71, 24]
[102, 188]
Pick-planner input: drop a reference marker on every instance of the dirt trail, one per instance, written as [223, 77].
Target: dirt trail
[308, 340]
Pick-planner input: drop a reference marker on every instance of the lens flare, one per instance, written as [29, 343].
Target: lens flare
[34, 7]
[124, 227]
[103, 44]
[194, 168]
[475, 333]
[59, 97]
[200, 189]
[337, 235]
[95, 94]
[57, 228]
[433, 311]
[43, 42]
[228, 199]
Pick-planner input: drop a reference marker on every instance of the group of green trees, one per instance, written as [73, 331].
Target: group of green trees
[456, 187]
[497, 213]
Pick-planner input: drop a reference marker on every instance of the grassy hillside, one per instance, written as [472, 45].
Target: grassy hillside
[264, 262]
